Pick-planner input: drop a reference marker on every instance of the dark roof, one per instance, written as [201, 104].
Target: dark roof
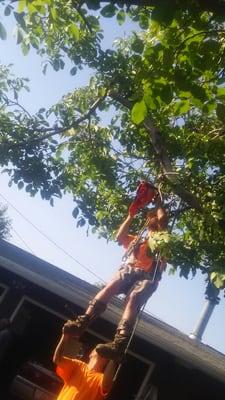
[150, 329]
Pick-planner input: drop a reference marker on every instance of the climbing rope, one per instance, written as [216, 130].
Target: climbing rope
[157, 263]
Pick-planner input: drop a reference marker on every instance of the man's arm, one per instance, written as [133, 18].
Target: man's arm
[161, 215]
[66, 350]
[58, 357]
[109, 373]
[124, 228]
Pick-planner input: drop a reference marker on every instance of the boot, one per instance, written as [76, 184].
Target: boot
[113, 350]
[77, 327]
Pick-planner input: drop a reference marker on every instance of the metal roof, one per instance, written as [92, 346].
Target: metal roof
[152, 330]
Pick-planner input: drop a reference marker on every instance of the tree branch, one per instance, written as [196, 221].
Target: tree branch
[56, 131]
[162, 156]
[78, 9]
[10, 103]
[215, 6]
[210, 32]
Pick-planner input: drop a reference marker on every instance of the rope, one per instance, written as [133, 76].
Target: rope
[130, 340]
[152, 281]
[134, 244]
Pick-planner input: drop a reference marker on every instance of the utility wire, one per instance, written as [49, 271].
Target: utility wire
[23, 241]
[51, 240]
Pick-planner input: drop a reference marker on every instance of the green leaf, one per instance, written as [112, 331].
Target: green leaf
[166, 93]
[220, 112]
[53, 12]
[139, 112]
[41, 110]
[19, 36]
[101, 91]
[121, 16]
[56, 65]
[29, 187]
[163, 13]
[61, 63]
[21, 5]
[3, 34]
[198, 92]
[144, 21]
[73, 71]
[81, 222]
[20, 19]
[172, 271]
[181, 107]
[137, 45]
[75, 212]
[31, 8]
[221, 92]
[209, 106]
[45, 69]
[20, 185]
[149, 99]
[93, 4]
[74, 31]
[218, 279]
[108, 11]
[182, 81]
[34, 43]
[25, 48]
[7, 11]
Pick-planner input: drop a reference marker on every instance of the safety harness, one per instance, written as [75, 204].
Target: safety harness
[140, 201]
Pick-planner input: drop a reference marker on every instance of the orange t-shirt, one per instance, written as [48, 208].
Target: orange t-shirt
[80, 383]
[140, 258]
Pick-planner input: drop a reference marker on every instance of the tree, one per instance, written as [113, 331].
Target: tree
[164, 87]
[5, 223]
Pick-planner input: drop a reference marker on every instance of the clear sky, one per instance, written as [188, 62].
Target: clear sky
[177, 301]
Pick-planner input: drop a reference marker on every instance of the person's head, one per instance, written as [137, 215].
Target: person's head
[96, 362]
[4, 323]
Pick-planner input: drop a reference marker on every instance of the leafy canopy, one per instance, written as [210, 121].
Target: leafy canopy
[164, 89]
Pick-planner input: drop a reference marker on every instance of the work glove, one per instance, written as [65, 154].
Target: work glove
[145, 194]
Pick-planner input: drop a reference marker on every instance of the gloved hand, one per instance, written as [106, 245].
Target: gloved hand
[144, 195]
[68, 327]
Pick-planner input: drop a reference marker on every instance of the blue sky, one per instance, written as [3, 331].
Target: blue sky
[177, 301]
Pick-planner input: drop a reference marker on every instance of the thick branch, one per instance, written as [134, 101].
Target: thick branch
[160, 149]
[215, 6]
[161, 153]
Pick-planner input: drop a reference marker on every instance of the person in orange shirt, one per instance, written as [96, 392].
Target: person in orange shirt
[134, 278]
[83, 381]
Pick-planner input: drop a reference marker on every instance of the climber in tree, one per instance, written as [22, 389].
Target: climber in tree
[134, 278]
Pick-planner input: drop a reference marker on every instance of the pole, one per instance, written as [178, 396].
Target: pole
[205, 315]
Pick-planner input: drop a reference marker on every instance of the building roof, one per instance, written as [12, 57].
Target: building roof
[152, 330]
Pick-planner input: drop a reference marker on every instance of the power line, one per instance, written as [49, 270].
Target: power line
[23, 241]
[51, 240]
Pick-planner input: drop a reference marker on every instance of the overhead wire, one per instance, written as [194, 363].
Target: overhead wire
[23, 241]
[52, 241]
